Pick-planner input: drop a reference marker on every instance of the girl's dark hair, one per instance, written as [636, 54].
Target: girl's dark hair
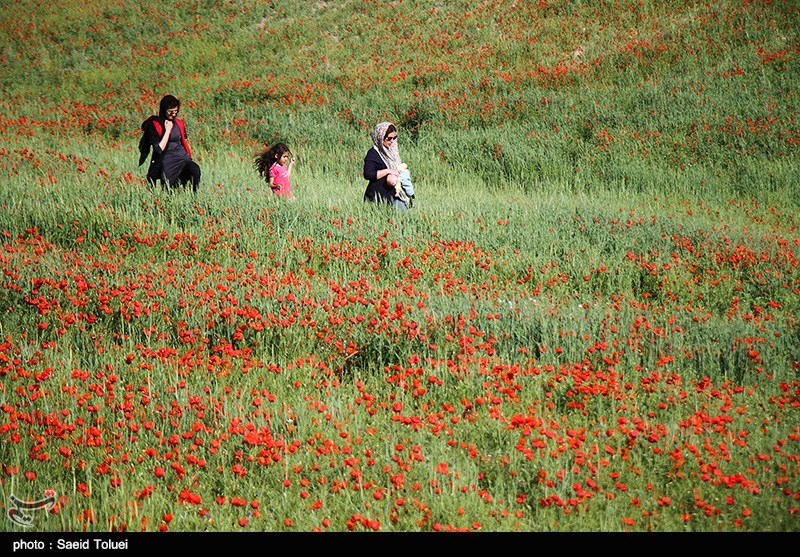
[389, 130]
[266, 158]
[167, 102]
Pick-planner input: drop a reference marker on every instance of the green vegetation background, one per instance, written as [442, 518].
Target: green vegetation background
[683, 97]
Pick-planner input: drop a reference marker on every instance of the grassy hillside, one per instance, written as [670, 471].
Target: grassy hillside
[679, 96]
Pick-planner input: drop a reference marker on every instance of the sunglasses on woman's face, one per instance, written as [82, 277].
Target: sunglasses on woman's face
[390, 138]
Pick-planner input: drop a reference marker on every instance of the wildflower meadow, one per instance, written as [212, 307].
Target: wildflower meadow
[588, 322]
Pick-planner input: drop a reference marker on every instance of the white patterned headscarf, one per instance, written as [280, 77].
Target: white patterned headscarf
[390, 155]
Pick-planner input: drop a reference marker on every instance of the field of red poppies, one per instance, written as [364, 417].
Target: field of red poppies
[588, 323]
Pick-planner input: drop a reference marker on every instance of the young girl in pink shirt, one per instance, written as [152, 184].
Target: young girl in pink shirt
[275, 166]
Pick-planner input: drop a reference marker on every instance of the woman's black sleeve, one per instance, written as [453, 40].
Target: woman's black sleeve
[155, 139]
[371, 168]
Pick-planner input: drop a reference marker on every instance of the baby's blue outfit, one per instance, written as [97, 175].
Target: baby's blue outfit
[408, 187]
[405, 181]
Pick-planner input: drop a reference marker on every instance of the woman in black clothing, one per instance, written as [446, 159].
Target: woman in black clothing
[172, 162]
[381, 168]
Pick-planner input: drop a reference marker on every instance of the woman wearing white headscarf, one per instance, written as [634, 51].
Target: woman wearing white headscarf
[381, 168]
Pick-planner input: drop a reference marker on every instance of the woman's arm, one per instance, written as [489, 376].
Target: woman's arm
[387, 172]
[158, 142]
[374, 168]
[162, 144]
[370, 168]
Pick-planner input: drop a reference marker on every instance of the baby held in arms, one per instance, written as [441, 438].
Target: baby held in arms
[404, 189]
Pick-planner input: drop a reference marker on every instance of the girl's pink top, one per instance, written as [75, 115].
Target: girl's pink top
[280, 180]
